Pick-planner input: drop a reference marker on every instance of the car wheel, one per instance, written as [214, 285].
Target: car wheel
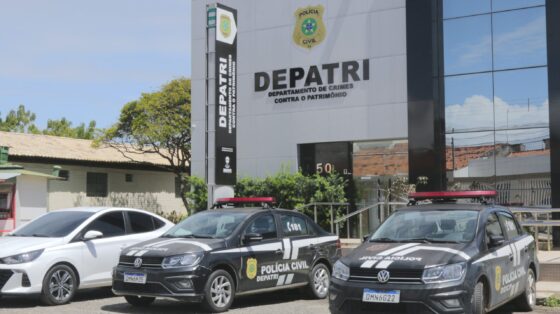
[527, 301]
[219, 292]
[478, 301]
[59, 285]
[319, 281]
[139, 301]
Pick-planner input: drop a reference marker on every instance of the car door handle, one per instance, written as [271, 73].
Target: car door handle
[511, 257]
[279, 252]
[526, 249]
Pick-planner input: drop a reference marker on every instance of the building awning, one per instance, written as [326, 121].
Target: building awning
[8, 175]
[12, 173]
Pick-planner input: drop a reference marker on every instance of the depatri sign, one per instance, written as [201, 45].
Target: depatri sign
[226, 95]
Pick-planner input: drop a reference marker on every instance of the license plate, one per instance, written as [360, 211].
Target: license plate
[135, 278]
[376, 296]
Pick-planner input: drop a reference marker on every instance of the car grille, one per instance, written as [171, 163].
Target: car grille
[148, 288]
[147, 262]
[409, 276]
[5, 275]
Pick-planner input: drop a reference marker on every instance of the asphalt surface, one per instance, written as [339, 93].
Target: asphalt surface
[103, 301]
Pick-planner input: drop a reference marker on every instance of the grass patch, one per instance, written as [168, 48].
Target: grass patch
[552, 301]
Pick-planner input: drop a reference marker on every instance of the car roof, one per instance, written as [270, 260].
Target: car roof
[253, 210]
[452, 206]
[93, 209]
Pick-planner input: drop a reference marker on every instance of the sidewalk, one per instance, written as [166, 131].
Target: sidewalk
[546, 289]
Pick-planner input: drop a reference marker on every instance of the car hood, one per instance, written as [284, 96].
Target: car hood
[408, 255]
[173, 246]
[17, 245]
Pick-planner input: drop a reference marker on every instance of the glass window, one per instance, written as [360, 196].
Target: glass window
[467, 45]
[521, 98]
[96, 184]
[207, 224]
[53, 224]
[493, 228]
[263, 225]
[456, 8]
[520, 38]
[140, 222]
[64, 174]
[3, 200]
[293, 226]
[500, 5]
[158, 223]
[509, 225]
[110, 224]
[468, 103]
[470, 155]
[435, 226]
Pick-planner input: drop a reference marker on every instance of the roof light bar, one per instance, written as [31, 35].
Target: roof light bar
[240, 200]
[451, 195]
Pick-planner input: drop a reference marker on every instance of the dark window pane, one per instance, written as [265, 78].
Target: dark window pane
[128, 177]
[468, 103]
[467, 45]
[96, 184]
[293, 226]
[509, 225]
[456, 8]
[500, 5]
[158, 223]
[470, 160]
[111, 224]
[54, 224]
[493, 228]
[520, 38]
[523, 167]
[263, 225]
[64, 174]
[521, 98]
[140, 222]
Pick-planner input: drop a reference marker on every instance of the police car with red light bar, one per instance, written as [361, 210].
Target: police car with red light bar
[217, 254]
[439, 255]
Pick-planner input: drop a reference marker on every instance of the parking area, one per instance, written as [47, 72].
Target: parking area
[103, 301]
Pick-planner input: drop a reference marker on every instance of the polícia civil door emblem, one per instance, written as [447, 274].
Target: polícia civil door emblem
[251, 268]
[498, 278]
[309, 30]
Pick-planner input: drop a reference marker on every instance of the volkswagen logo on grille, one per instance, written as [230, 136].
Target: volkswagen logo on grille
[383, 276]
[138, 262]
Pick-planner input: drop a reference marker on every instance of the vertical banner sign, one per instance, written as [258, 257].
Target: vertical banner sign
[226, 95]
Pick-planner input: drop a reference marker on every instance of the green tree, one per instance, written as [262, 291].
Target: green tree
[63, 127]
[20, 120]
[157, 123]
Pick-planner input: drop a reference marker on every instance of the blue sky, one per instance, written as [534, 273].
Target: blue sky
[84, 60]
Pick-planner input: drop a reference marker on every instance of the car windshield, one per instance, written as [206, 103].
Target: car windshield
[53, 224]
[207, 224]
[428, 226]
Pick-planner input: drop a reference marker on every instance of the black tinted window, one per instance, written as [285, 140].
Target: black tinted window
[111, 224]
[293, 226]
[140, 222]
[53, 224]
[158, 223]
[509, 225]
[493, 227]
[263, 225]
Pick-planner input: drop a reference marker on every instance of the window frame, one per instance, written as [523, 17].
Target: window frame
[128, 222]
[90, 193]
[253, 219]
[307, 234]
[506, 234]
[495, 214]
[125, 224]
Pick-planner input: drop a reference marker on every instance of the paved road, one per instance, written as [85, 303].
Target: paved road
[102, 301]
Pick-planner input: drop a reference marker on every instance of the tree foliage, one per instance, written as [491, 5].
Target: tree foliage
[157, 123]
[23, 121]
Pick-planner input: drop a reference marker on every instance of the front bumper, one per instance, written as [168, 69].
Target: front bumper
[162, 283]
[22, 279]
[346, 297]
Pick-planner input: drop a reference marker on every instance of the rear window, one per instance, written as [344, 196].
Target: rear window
[293, 226]
[140, 222]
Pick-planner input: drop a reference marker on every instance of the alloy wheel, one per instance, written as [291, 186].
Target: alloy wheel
[61, 285]
[220, 291]
[321, 281]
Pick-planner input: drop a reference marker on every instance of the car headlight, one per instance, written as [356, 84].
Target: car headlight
[445, 273]
[341, 271]
[184, 260]
[22, 258]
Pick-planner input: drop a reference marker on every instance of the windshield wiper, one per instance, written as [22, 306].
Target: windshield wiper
[431, 240]
[383, 240]
[168, 236]
[203, 236]
[40, 235]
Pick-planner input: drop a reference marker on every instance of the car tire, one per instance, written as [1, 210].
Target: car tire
[319, 281]
[478, 299]
[139, 301]
[59, 285]
[527, 300]
[219, 292]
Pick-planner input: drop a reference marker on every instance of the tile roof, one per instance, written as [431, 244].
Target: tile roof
[54, 147]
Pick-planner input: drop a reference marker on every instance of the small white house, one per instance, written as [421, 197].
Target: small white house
[90, 176]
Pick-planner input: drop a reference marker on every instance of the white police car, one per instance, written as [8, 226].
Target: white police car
[214, 255]
[442, 257]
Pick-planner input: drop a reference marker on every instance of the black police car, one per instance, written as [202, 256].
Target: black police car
[215, 255]
[442, 257]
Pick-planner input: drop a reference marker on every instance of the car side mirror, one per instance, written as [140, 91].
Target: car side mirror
[92, 234]
[366, 237]
[252, 237]
[496, 240]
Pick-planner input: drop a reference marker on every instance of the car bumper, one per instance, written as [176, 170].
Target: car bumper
[162, 283]
[346, 297]
[24, 278]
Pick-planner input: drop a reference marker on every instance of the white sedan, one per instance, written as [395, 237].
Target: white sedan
[62, 251]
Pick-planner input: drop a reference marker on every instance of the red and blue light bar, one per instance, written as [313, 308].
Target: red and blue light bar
[451, 195]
